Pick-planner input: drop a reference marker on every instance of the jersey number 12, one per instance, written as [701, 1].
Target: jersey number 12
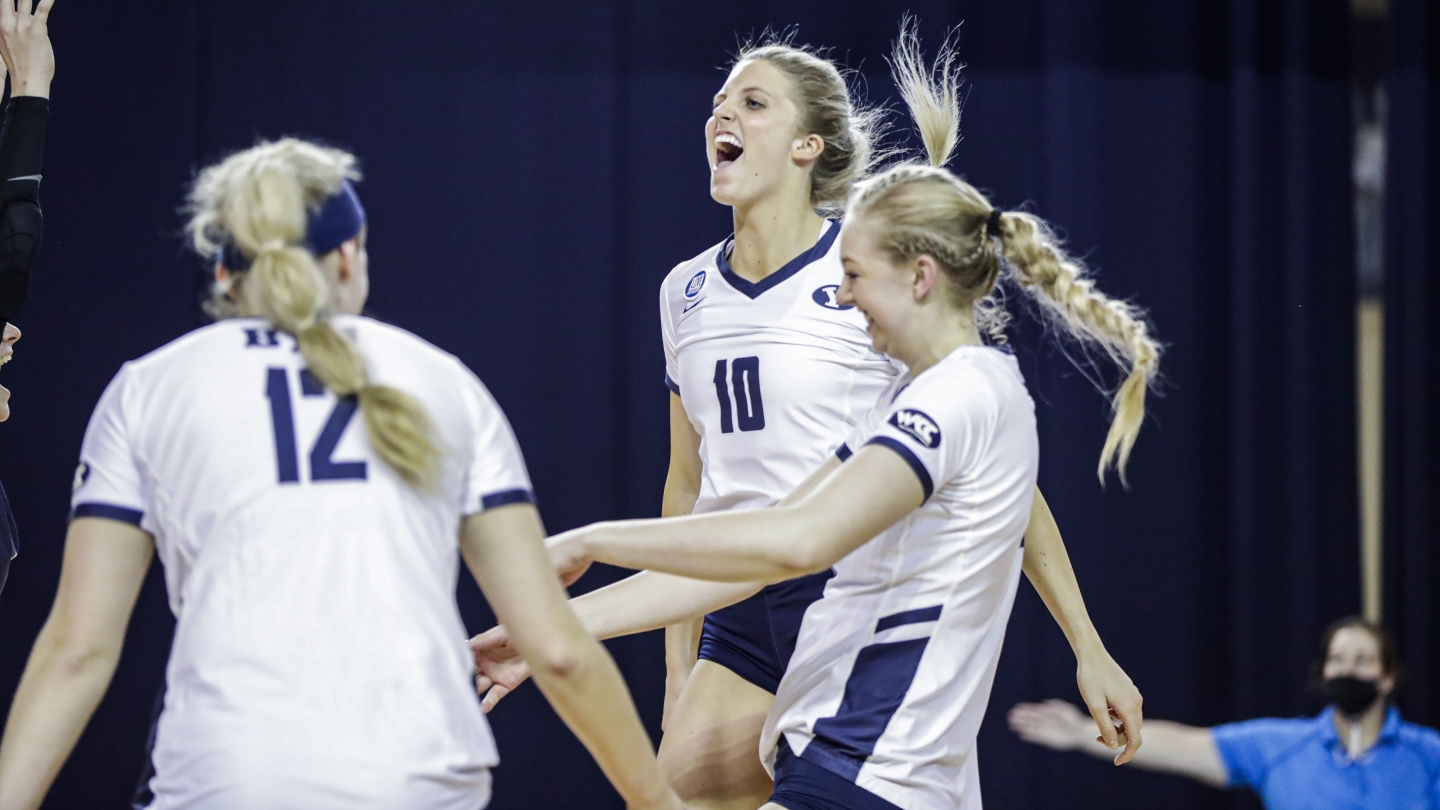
[282, 417]
[747, 409]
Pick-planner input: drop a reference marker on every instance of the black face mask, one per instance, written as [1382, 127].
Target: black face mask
[1351, 695]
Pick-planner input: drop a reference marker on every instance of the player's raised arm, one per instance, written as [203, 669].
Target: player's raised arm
[504, 549]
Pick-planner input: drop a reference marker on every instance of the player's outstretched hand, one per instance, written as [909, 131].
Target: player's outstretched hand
[25, 46]
[567, 551]
[1055, 724]
[1114, 703]
[499, 669]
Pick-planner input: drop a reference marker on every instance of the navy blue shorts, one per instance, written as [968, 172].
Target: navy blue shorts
[802, 785]
[755, 638]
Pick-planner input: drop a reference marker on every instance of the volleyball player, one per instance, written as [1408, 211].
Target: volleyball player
[30, 63]
[304, 474]
[924, 508]
[769, 371]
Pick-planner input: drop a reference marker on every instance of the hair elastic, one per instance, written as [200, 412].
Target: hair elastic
[339, 218]
[992, 223]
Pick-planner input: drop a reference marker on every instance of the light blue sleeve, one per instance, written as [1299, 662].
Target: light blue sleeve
[1249, 749]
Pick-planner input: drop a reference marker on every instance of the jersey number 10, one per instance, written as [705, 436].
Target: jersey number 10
[282, 417]
[747, 408]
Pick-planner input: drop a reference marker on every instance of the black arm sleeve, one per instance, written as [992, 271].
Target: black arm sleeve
[22, 145]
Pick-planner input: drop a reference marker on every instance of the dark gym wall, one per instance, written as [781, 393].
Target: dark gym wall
[534, 169]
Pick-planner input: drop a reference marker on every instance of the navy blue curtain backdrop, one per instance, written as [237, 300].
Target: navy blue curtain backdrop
[1412, 335]
[534, 169]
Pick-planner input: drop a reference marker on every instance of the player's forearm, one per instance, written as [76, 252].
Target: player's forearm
[590, 696]
[650, 600]
[763, 546]
[58, 693]
[1047, 565]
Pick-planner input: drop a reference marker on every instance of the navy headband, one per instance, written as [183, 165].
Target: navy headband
[340, 218]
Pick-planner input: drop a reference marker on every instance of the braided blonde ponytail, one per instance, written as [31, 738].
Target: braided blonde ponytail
[259, 199]
[922, 209]
[1060, 284]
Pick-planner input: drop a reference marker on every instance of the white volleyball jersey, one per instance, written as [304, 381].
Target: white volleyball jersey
[773, 375]
[893, 667]
[319, 658]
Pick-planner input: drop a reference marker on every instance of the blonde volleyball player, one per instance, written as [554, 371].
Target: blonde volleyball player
[306, 475]
[924, 508]
[769, 373]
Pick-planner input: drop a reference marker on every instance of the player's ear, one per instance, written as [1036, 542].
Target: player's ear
[926, 274]
[807, 148]
[349, 253]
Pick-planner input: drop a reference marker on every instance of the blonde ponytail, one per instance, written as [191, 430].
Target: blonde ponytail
[1060, 284]
[919, 209]
[258, 200]
[931, 93]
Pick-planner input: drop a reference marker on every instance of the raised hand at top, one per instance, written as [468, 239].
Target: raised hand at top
[25, 46]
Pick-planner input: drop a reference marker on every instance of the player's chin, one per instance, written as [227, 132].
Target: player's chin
[722, 190]
[4, 403]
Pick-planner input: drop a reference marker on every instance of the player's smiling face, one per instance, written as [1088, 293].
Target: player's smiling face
[753, 135]
[883, 291]
[7, 350]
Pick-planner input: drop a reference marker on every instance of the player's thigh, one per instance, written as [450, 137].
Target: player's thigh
[711, 749]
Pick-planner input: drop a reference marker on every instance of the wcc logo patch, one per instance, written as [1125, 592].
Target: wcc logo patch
[918, 426]
[697, 283]
[82, 474]
[828, 297]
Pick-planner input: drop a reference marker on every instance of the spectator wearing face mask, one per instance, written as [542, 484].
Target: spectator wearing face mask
[1357, 754]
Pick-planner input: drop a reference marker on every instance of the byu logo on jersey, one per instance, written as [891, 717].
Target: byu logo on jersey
[919, 426]
[697, 283]
[828, 297]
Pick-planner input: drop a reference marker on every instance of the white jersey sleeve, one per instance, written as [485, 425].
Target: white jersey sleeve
[667, 336]
[109, 482]
[497, 475]
[929, 423]
[937, 430]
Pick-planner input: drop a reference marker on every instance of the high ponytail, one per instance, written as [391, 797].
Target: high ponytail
[257, 201]
[920, 209]
[932, 94]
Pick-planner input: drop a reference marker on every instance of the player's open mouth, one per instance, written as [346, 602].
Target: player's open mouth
[727, 149]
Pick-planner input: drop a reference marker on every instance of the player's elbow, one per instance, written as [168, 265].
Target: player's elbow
[802, 555]
[562, 659]
[75, 656]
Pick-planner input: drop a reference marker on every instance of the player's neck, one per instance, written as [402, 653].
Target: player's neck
[933, 338]
[1360, 733]
[769, 234]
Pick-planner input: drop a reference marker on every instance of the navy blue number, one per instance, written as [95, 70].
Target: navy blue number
[282, 418]
[726, 425]
[749, 408]
[322, 466]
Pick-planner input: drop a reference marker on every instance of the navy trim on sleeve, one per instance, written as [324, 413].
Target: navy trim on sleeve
[911, 459]
[671, 384]
[843, 452]
[506, 498]
[124, 514]
[916, 616]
